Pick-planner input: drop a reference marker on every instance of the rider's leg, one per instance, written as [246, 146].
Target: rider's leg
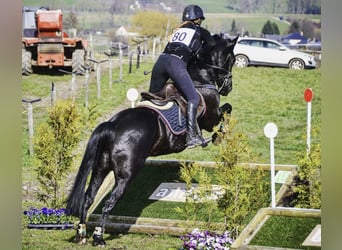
[193, 135]
[185, 85]
[159, 75]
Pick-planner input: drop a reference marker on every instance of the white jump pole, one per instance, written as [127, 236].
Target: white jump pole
[271, 131]
[132, 95]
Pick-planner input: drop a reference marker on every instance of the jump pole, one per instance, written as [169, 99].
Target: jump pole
[308, 94]
[271, 131]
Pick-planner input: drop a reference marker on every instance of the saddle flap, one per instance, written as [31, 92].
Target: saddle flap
[150, 96]
[170, 93]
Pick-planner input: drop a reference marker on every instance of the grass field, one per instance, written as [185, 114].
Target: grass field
[259, 95]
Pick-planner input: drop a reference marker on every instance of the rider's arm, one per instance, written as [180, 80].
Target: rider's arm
[208, 40]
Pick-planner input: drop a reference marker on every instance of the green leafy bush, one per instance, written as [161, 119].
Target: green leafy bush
[243, 190]
[54, 143]
[308, 188]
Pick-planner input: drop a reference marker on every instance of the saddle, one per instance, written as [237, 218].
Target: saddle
[168, 94]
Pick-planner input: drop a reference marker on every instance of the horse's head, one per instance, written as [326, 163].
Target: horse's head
[219, 62]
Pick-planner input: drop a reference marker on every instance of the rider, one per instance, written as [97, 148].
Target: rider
[184, 44]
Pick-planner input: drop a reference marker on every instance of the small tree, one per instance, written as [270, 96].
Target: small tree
[270, 28]
[275, 29]
[245, 190]
[199, 205]
[233, 29]
[71, 21]
[54, 144]
[294, 27]
[308, 189]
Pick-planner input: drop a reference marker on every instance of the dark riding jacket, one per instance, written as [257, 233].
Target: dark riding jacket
[183, 45]
[188, 40]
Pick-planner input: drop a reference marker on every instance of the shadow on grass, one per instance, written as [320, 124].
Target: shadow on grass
[136, 203]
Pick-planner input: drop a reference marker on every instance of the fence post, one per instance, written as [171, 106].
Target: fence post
[155, 42]
[86, 87]
[110, 60]
[138, 56]
[53, 93]
[120, 46]
[73, 80]
[130, 62]
[145, 49]
[120, 63]
[98, 75]
[30, 121]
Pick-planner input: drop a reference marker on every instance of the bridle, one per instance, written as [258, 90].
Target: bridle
[221, 76]
[225, 86]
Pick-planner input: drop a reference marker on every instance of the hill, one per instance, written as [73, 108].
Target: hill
[220, 13]
[217, 6]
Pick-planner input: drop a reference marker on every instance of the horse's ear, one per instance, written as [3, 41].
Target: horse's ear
[231, 43]
[217, 37]
[236, 38]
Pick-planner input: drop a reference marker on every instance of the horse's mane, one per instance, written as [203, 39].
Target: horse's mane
[199, 67]
[204, 55]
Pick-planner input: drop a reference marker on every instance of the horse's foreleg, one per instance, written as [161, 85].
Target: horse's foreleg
[224, 109]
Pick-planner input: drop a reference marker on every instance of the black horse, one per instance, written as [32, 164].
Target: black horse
[123, 143]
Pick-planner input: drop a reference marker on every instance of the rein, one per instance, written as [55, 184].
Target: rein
[228, 74]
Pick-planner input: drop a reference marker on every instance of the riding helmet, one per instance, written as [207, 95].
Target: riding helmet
[192, 12]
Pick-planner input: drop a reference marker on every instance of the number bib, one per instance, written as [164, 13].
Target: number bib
[183, 35]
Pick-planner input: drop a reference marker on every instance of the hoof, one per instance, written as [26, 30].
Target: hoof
[98, 237]
[80, 240]
[81, 235]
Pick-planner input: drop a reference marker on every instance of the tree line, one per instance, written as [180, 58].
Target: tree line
[242, 6]
[276, 6]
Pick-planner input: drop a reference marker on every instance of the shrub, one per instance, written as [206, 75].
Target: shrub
[53, 146]
[308, 189]
[242, 190]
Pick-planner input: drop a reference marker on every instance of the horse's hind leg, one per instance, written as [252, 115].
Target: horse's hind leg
[120, 186]
[97, 177]
[123, 175]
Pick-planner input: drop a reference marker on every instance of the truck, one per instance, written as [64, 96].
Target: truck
[45, 44]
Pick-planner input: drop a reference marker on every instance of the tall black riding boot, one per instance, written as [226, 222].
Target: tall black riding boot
[193, 138]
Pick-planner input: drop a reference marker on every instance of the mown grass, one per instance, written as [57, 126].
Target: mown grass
[286, 232]
[261, 95]
[35, 239]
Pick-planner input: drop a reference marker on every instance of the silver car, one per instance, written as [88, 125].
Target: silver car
[267, 52]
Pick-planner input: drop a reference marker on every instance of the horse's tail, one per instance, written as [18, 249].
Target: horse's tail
[91, 158]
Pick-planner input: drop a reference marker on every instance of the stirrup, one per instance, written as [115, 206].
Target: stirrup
[197, 141]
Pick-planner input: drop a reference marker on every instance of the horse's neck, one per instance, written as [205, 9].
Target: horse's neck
[200, 73]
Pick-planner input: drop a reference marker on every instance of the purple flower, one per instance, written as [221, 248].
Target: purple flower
[47, 216]
[205, 240]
